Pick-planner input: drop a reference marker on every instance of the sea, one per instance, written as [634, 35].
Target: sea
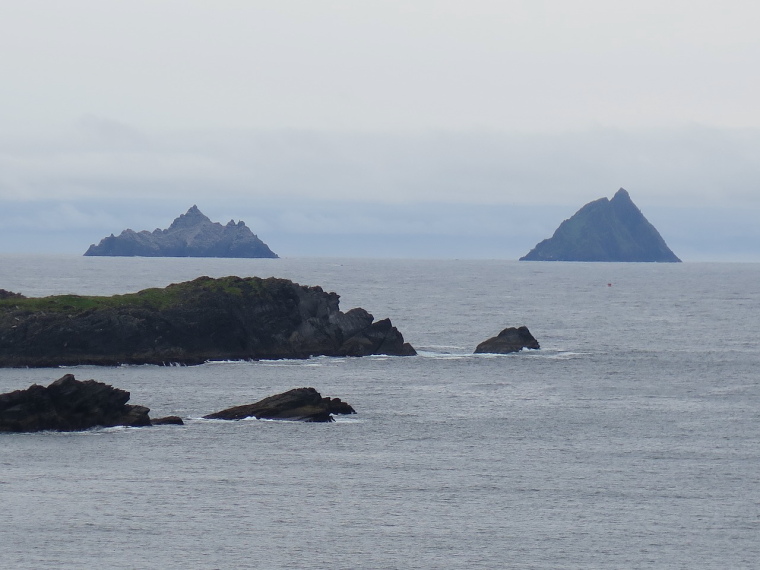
[631, 439]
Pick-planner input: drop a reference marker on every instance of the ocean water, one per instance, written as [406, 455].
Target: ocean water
[630, 440]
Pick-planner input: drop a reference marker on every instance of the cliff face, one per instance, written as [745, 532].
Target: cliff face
[190, 235]
[605, 230]
[189, 323]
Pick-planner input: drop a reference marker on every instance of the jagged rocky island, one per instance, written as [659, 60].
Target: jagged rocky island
[298, 404]
[69, 404]
[72, 405]
[605, 230]
[190, 235]
[230, 318]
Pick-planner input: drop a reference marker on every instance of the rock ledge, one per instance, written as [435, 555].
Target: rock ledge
[298, 404]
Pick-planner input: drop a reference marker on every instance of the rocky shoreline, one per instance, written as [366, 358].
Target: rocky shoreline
[229, 318]
[69, 404]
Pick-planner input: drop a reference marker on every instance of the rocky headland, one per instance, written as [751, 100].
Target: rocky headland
[509, 340]
[190, 235]
[605, 230]
[298, 404]
[10, 295]
[229, 318]
[72, 405]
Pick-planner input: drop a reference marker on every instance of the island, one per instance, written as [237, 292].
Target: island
[190, 235]
[298, 404]
[229, 318]
[605, 230]
[511, 339]
[69, 404]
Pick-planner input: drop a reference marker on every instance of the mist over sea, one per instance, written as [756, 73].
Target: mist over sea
[631, 439]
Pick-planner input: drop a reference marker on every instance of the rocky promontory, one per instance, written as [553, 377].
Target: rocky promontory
[298, 404]
[605, 230]
[71, 405]
[190, 235]
[509, 340]
[9, 295]
[229, 318]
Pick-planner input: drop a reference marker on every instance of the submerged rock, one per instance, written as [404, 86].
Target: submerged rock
[298, 404]
[69, 405]
[230, 318]
[509, 340]
[190, 235]
[605, 230]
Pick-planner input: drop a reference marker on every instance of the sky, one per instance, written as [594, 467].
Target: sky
[402, 129]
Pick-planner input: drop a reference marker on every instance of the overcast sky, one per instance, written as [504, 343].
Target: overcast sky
[487, 120]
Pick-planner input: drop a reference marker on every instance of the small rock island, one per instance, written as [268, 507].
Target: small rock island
[69, 404]
[605, 230]
[190, 235]
[511, 339]
[229, 318]
[298, 404]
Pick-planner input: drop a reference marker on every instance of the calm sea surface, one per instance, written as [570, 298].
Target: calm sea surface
[630, 440]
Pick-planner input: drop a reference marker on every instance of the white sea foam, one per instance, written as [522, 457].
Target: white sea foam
[441, 355]
[340, 419]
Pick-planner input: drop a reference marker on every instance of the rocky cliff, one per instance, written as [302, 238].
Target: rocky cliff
[230, 318]
[605, 230]
[190, 235]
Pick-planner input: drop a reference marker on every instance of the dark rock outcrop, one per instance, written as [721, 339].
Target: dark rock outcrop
[10, 295]
[230, 318]
[167, 421]
[69, 405]
[190, 235]
[605, 230]
[509, 340]
[298, 404]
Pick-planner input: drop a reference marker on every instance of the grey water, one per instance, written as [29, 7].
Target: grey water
[631, 439]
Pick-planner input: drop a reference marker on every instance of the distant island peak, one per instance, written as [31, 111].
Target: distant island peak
[605, 230]
[191, 234]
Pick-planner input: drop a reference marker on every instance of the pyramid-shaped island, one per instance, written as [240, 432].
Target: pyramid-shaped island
[605, 230]
[190, 235]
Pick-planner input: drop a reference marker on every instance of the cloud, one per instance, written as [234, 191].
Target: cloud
[663, 166]
[389, 65]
